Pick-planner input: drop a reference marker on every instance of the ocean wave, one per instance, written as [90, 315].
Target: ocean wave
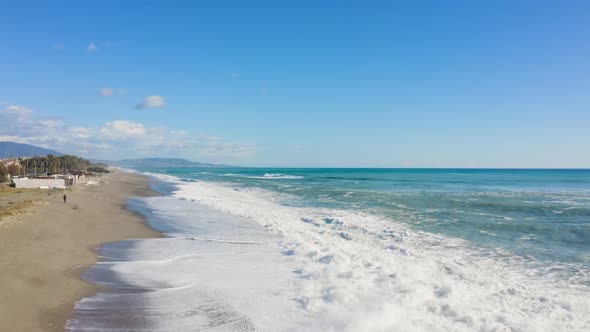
[213, 271]
[164, 177]
[366, 272]
[356, 271]
[269, 176]
[266, 176]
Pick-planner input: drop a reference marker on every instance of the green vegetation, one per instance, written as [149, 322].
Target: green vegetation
[99, 168]
[48, 164]
[7, 170]
[3, 172]
[52, 164]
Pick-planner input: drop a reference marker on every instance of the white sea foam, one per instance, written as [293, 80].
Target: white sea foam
[267, 176]
[273, 176]
[240, 260]
[277, 176]
[215, 272]
[360, 272]
[164, 177]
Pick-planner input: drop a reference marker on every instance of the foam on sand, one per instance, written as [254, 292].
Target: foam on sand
[362, 272]
[214, 272]
[241, 260]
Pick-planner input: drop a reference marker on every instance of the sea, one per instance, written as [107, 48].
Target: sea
[293, 249]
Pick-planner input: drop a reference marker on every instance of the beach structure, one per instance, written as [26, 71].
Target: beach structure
[79, 176]
[42, 183]
[60, 181]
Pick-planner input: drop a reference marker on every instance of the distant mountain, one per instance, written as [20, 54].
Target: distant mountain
[159, 162]
[11, 149]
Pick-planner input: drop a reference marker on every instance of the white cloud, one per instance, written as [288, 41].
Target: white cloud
[81, 132]
[152, 102]
[121, 129]
[59, 46]
[50, 123]
[21, 125]
[235, 75]
[14, 110]
[116, 139]
[13, 138]
[91, 47]
[106, 92]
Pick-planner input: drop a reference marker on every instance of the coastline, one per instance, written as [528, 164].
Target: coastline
[240, 260]
[43, 254]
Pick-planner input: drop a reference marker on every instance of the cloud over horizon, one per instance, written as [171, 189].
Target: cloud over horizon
[116, 139]
[152, 102]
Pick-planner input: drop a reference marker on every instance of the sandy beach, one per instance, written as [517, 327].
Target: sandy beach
[47, 245]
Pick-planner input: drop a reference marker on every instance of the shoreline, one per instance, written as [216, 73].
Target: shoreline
[45, 252]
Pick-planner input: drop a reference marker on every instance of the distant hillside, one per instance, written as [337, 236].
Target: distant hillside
[159, 162]
[11, 149]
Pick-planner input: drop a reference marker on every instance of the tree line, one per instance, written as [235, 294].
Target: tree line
[46, 164]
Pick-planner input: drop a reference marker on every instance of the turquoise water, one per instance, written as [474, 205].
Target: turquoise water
[537, 214]
[274, 249]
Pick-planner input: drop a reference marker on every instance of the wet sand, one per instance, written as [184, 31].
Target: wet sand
[44, 250]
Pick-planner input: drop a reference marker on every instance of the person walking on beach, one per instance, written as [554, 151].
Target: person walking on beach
[65, 198]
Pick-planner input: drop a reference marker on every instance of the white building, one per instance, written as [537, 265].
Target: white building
[40, 183]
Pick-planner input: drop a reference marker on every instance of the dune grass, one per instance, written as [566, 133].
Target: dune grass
[14, 209]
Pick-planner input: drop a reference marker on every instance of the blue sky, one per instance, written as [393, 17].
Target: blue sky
[301, 83]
